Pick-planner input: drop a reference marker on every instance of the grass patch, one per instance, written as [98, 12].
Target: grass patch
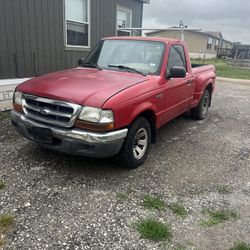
[125, 195]
[179, 210]
[241, 246]
[224, 189]
[224, 70]
[122, 195]
[2, 185]
[180, 247]
[153, 202]
[4, 116]
[2, 242]
[217, 217]
[154, 230]
[6, 221]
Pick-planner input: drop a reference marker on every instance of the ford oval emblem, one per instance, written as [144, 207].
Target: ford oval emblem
[44, 111]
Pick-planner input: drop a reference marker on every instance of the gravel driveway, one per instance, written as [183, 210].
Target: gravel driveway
[66, 202]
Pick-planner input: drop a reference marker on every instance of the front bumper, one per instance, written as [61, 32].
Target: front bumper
[73, 141]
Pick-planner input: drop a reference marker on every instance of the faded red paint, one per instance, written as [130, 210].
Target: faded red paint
[127, 94]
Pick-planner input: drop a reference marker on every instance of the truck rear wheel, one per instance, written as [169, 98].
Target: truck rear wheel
[136, 146]
[200, 112]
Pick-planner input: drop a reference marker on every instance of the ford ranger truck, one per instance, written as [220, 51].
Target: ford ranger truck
[114, 102]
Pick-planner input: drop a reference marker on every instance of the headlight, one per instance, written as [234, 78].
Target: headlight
[17, 101]
[96, 115]
[18, 98]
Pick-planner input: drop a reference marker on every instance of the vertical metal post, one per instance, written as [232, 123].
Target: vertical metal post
[181, 26]
[236, 53]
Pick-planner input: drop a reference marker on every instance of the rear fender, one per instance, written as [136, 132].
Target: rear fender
[202, 82]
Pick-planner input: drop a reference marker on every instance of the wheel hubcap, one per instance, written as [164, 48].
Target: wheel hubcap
[140, 143]
[205, 105]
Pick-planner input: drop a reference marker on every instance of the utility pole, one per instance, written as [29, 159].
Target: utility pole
[181, 26]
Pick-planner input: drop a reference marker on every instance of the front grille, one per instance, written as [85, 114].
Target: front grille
[50, 111]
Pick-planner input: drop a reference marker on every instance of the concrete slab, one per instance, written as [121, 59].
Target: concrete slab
[232, 80]
[15, 81]
[7, 87]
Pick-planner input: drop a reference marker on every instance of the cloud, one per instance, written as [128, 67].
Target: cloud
[230, 17]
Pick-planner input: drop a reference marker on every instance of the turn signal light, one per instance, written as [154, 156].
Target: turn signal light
[18, 107]
[94, 126]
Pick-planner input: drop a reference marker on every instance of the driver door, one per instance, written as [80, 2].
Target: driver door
[178, 92]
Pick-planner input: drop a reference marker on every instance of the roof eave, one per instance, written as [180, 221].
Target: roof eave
[194, 31]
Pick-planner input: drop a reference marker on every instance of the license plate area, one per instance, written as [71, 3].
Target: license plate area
[42, 135]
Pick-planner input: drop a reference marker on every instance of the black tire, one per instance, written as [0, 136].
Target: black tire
[200, 112]
[129, 156]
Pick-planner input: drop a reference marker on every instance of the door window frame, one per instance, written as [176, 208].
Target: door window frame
[172, 46]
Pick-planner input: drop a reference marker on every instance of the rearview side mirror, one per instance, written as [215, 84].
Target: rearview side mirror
[81, 61]
[176, 72]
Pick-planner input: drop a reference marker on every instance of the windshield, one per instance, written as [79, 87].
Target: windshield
[143, 56]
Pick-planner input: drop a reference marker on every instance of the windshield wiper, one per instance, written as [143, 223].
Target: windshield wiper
[126, 68]
[90, 64]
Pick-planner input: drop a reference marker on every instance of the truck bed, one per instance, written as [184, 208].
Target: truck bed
[197, 69]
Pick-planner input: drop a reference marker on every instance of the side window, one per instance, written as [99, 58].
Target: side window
[176, 57]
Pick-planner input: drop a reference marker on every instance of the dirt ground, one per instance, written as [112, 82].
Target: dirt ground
[68, 202]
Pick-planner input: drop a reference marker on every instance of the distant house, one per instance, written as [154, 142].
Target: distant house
[200, 44]
[40, 36]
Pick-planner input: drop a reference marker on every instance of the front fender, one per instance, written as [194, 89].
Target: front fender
[127, 114]
[143, 107]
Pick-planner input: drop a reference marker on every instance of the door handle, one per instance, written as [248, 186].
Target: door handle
[190, 81]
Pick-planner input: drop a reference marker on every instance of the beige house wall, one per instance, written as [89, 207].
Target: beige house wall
[226, 45]
[197, 43]
[170, 34]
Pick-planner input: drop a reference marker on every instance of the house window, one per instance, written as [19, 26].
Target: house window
[216, 46]
[209, 42]
[77, 23]
[124, 20]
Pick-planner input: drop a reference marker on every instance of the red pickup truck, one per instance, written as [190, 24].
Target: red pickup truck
[114, 102]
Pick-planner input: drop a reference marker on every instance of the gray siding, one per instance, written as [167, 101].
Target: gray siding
[32, 34]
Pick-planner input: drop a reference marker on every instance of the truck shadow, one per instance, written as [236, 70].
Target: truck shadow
[67, 169]
[81, 163]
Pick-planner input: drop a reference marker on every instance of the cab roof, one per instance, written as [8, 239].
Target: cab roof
[144, 38]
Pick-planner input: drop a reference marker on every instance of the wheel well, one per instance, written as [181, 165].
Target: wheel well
[210, 89]
[150, 116]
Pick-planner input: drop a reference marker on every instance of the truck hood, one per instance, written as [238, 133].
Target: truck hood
[82, 86]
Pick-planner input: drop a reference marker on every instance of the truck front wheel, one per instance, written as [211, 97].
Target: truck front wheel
[136, 146]
[200, 112]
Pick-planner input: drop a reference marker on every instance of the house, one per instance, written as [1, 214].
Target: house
[200, 44]
[41, 36]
